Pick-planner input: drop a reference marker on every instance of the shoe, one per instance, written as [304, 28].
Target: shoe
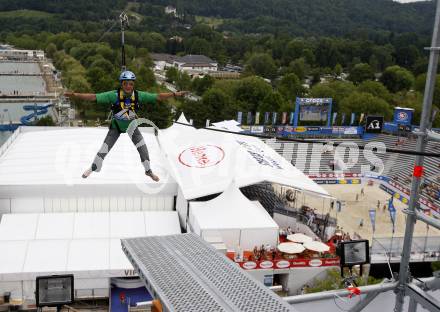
[152, 175]
[87, 173]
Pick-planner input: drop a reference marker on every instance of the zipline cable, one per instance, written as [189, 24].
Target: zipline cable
[284, 139]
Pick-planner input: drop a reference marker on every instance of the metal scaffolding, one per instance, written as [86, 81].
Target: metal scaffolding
[187, 274]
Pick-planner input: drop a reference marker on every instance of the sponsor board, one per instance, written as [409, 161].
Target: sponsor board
[351, 130]
[337, 130]
[282, 264]
[202, 156]
[259, 156]
[314, 100]
[266, 264]
[250, 265]
[315, 263]
[270, 130]
[374, 124]
[299, 263]
[314, 129]
[300, 129]
[286, 264]
[257, 129]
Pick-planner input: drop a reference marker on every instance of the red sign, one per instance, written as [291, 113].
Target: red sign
[286, 264]
[202, 156]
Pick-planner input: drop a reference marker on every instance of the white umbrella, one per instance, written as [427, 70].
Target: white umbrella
[316, 246]
[291, 248]
[299, 238]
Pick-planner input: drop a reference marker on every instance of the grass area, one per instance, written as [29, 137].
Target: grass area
[208, 20]
[25, 14]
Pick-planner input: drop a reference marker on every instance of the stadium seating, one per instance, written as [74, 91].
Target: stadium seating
[315, 159]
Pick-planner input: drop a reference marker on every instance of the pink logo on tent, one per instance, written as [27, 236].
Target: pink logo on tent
[202, 156]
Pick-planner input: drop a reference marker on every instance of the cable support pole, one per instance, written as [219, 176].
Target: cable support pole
[425, 124]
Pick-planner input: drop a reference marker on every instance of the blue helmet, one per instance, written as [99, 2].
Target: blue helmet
[127, 75]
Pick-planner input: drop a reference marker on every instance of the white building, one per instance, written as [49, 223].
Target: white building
[196, 64]
[14, 54]
[162, 61]
[192, 64]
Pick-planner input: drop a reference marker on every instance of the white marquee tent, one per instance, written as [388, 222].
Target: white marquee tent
[84, 244]
[41, 167]
[237, 220]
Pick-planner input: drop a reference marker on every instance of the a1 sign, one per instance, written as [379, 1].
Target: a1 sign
[374, 124]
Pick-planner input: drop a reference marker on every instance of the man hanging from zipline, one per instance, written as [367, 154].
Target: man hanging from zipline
[124, 103]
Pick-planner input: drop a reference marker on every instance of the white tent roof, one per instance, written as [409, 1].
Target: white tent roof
[205, 162]
[230, 210]
[45, 159]
[85, 243]
[229, 125]
[51, 160]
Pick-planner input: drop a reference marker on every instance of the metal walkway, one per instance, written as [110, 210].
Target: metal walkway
[187, 274]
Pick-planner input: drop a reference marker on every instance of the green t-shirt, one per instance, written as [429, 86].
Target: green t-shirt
[111, 97]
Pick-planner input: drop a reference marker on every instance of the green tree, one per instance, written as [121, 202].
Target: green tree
[375, 88]
[250, 92]
[71, 43]
[273, 102]
[145, 78]
[367, 103]
[51, 48]
[299, 67]
[361, 72]
[183, 81]
[219, 104]
[290, 87]
[99, 79]
[397, 78]
[293, 50]
[338, 70]
[337, 90]
[171, 74]
[200, 85]
[419, 85]
[197, 111]
[45, 121]
[261, 64]
[159, 113]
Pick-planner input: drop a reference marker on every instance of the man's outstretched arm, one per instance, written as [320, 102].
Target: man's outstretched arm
[81, 96]
[166, 95]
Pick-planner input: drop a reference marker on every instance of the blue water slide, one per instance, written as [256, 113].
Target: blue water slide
[37, 110]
